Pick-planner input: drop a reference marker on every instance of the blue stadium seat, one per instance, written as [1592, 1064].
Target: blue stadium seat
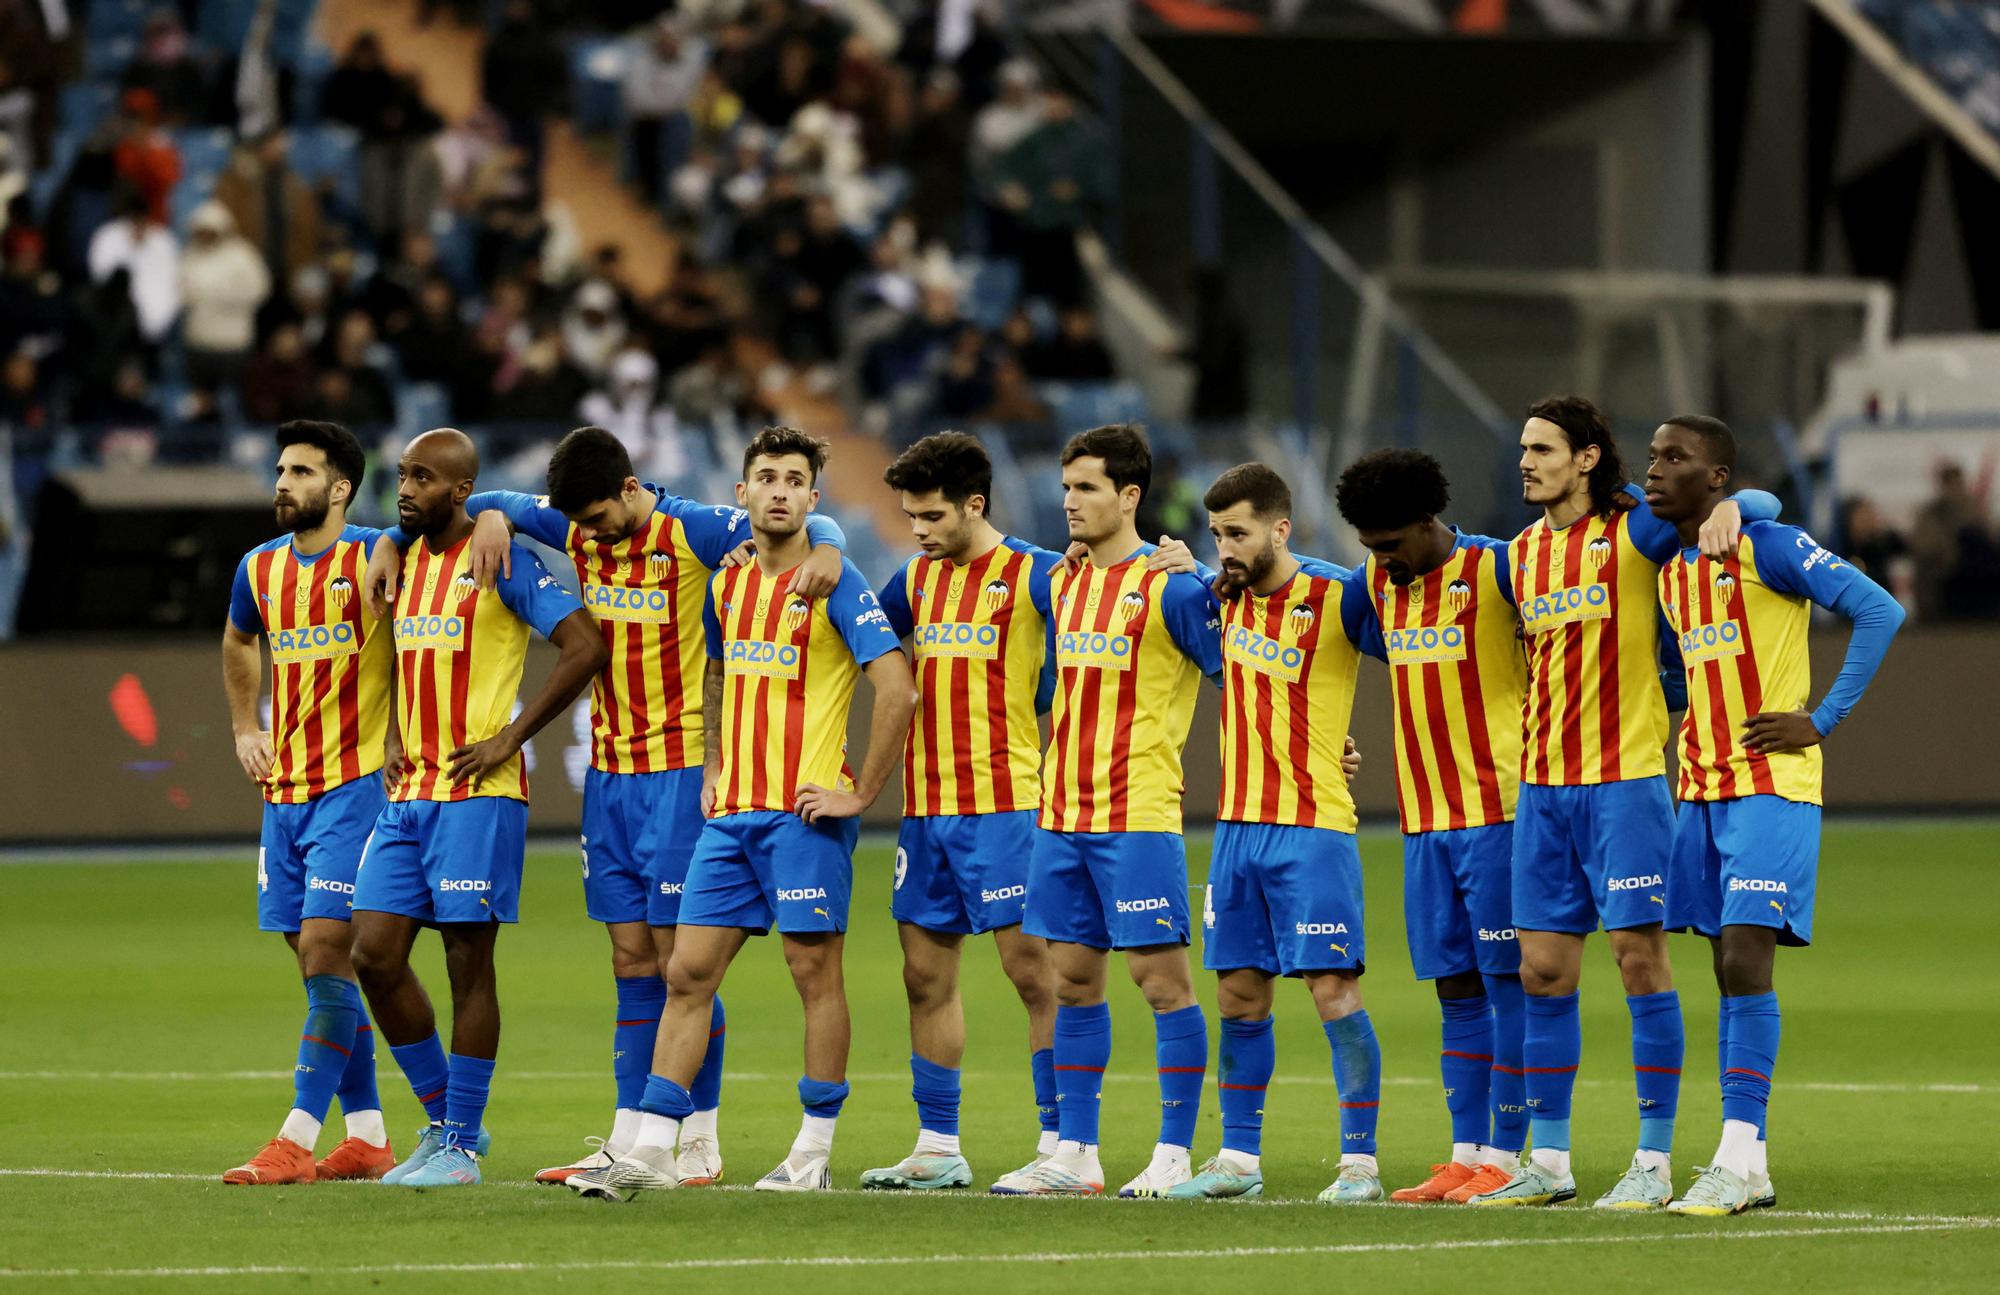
[83, 104]
[992, 288]
[205, 149]
[106, 59]
[329, 153]
[421, 406]
[108, 18]
[1077, 405]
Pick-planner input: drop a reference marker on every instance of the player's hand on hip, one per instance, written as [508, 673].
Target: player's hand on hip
[814, 802]
[819, 573]
[1784, 730]
[1350, 760]
[482, 758]
[492, 549]
[379, 581]
[253, 752]
[1172, 556]
[740, 556]
[1721, 531]
[711, 779]
[393, 761]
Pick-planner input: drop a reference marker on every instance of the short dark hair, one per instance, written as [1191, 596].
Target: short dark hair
[590, 464]
[344, 455]
[1386, 490]
[1717, 441]
[779, 441]
[1585, 425]
[1254, 484]
[1127, 455]
[951, 463]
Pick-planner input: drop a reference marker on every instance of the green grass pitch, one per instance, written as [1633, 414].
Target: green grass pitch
[146, 1030]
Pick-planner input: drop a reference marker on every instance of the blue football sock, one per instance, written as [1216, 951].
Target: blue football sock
[1180, 1040]
[1249, 1056]
[822, 1099]
[357, 1091]
[1510, 1097]
[1082, 1051]
[465, 1103]
[1551, 1049]
[663, 1096]
[1466, 1063]
[326, 1044]
[1357, 1075]
[707, 1087]
[640, 1000]
[423, 1064]
[1042, 1065]
[1753, 1058]
[1659, 1045]
[935, 1089]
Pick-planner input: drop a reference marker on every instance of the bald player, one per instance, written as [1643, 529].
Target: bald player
[447, 849]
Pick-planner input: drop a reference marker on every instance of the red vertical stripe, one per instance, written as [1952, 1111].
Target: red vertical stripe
[318, 676]
[963, 801]
[1236, 733]
[350, 681]
[1301, 702]
[1264, 706]
[1432, 674]
[1577, 542]
[1718, 705]
[1609, 682]
[795, 691]
[627, 644]
[1127, 684]
[1674, 583]
[999, 726]
[1752, 683]
[1541, 650]
[937, 682]
[1472, 689]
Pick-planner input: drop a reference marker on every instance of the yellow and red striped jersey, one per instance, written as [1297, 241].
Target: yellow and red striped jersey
[980, 633]
[646, 592]
[459, 654]
[789, 667]
[1130, 648]
[1743, 644]
[1594, 711]
[1288, 671]
[1457, 675]
[329, 662]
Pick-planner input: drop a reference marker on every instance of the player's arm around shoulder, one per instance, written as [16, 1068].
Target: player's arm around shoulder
[1194, 621]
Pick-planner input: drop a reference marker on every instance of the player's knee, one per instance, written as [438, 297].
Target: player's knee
[376, 962]
[1238, 1004]
[326, 955]
[1464, 984]
[815, 968]
[1742, 972]
[1644, 967]
[1336, 995]
[690, 973]
[925, 986]
[1166, 989]
[1543, 974]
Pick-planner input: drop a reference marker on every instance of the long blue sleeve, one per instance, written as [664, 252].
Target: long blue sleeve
[1876, 616]
[1659, 540]
[530, 514]
[1673, 670]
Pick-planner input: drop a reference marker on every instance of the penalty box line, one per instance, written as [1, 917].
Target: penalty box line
[739, 1262]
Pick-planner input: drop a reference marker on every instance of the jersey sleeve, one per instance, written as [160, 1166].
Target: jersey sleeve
[243, 612]
[1357, 614]
[1194, 620]
[711, 624]
[822, 529]
[535, 595]
[1673, 670]
[712, 530]
[1791, 561]
[1041, 595]
[1659, 540]
[1503, 557]
[895, 600]
[858, 617]
[530, 514]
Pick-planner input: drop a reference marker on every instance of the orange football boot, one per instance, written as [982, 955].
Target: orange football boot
[1444, 1179]
[281, 1161]
[1486, 1178]
[356, 1159]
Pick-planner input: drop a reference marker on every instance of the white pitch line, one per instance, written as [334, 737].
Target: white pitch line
[1030, 1202]
[756, 1077]
[1039, 1257]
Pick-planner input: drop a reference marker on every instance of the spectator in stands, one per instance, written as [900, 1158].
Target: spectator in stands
[434, 345]
[1005, 122]
[663, 70]
[714, 110]
[963, 386]
[401, 179]
[630, 409]
[390, 295]
[34, 310]
[1014, 399]
[526, 79]
[165, 65]
[223, 282]
[280, 381]
[1219, 351]
[467, 152]
[104, 331]
[1051, 183]
[123, 407]
[133, 241]
[812, 267]
[685, 319]
[1958, 565]
[904, 355]
[1173, 505]
[715, 391]
[593, 330]
[369, 395]
[1867, 539]
[336, 401]
[875, 95]
[13, 183]
[272, 206]
[958, 36]
[145, 156]
[23, 402]
[17, 119]
[542, 385]
[1075, 354]
[937, 155]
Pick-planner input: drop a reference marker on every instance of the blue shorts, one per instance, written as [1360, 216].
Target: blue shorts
[1747, 862]
[1458, 901]
[1590, 855]
[444, 861]
[963, 874]
[1282, 900]
[1108, 890]
[639, 831]
[307, 854]
[763, 866]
